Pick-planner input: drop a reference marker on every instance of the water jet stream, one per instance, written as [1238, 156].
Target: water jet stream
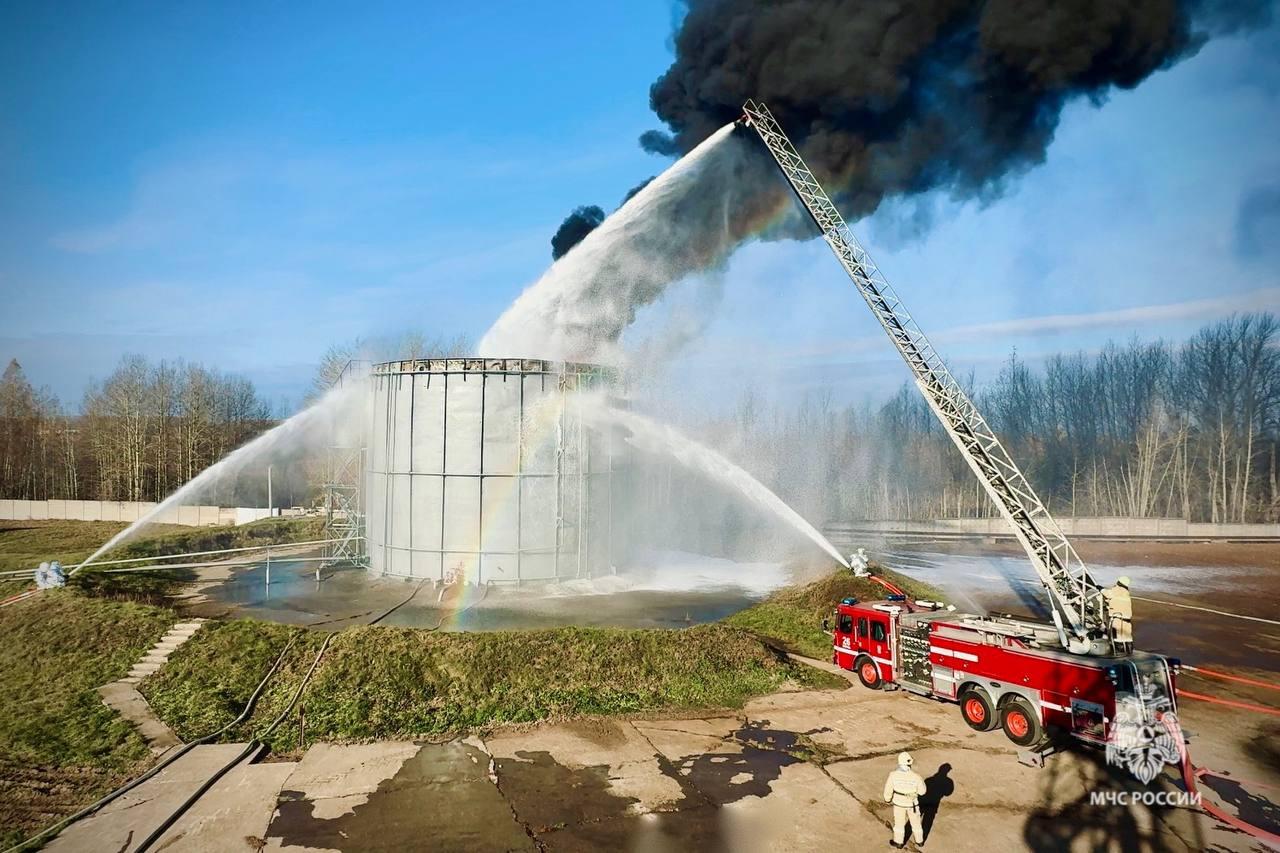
[285, 434]
[687, 220]
[657, 438]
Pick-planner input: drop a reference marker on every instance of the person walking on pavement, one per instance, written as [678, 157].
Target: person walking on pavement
[903, 789]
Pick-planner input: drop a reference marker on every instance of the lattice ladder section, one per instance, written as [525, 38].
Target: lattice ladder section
[344, 491]
[1076, 598]
[344, 519]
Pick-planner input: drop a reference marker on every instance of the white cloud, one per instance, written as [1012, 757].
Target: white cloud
[1263, 299]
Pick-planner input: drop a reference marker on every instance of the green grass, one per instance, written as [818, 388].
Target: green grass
[59, 745]
[26, 544]
[268, 531]
[792, 617]
[377, 682]
[208, 680]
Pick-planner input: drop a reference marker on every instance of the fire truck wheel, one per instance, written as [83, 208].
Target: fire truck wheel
[868, 672]
[1020, 722]
[976, 709]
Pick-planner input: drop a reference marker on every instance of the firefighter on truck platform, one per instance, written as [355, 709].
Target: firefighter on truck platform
[903, 788]
[1120, 614]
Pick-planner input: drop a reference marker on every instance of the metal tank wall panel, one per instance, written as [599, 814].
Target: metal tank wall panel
[481, 470]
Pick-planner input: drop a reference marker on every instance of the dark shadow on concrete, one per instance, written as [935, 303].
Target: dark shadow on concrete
[1253, 809]
[1266, 748]
[566, 808]
[441, 799]
[1075, 822]
[937, 787]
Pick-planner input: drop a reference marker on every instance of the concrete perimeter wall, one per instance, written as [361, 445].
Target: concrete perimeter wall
[130, 511]
[1078, 528]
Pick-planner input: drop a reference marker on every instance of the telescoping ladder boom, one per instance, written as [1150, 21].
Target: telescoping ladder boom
[1079, 609]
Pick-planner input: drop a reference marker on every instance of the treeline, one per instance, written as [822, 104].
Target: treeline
[150, 427]
[1190, 430]
[1138, 429]
[140, 433]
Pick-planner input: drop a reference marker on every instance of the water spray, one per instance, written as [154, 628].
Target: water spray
[338, 402]
[656, 438]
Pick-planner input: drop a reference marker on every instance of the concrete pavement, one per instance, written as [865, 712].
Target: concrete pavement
[791, 771]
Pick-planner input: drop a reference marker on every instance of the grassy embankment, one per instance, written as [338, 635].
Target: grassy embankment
[792, 617]
[377, 682]
[60, 747]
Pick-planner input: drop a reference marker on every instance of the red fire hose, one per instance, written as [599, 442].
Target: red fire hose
[1190, 773]
[21, 596]
[1244, 706]
[1213, 672]
[887, 585]
[1230, 703]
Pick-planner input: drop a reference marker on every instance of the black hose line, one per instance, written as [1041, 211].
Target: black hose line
[254, 748]
[166, 761]
[421, 583]
[251, 751]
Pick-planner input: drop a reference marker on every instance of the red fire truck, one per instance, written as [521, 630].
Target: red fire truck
[1077, 673]
[1003, 671]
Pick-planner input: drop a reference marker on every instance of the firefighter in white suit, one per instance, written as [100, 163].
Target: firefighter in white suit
[1120, 614]
[903, 788]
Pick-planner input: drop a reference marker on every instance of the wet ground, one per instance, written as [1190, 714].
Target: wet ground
[1165, 620]
[790, 771]
[669, 590]
[672, 590]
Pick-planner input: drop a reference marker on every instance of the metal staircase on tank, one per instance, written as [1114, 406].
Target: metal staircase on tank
[344, 488]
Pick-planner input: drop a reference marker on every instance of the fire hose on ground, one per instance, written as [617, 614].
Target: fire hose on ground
[250, 752]
[253, 749]
[1230, 703]
[166, 761]
[1190, 773]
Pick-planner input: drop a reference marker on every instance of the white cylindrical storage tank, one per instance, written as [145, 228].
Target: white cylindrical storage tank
[480, 471]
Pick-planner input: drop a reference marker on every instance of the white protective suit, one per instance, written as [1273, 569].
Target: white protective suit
[1120, 613]
[903, 788]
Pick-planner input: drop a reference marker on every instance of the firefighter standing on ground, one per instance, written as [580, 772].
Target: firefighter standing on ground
[904, 788]
[1120, 613]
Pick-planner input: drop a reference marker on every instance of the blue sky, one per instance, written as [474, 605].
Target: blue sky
[245, 188]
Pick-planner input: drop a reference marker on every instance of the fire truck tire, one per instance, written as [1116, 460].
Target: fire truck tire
[868, 673]
[976, 709]
[1020, 722]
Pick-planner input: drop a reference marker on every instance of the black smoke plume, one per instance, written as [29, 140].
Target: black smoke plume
[576, 225]
[897, 97]
[631, 192]
[583, 221]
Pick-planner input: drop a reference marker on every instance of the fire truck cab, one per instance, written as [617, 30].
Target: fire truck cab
[1002, 671]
